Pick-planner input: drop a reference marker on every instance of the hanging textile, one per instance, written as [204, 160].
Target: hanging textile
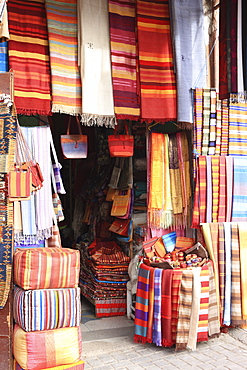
[223, 83]
[176, 186]
[209, 189]
[157, 79]
[222, 272]
[228, 269]
[237, 125]
[244, 43]
[202, 169]
[196, 290]
[8, 128]
[206, 121]
[157, 338]
[4, 24]
[29, 56]
[229, 187]
[166, 308]
[4, 66]
[215, 160]
[159, 207]
[242, 228]
[222, 189]
[141, 307]
[202, 330]
[187, 21]
[212, 125]
[176, 286]
[218, 125]
[233, 44]
[95, 63]
[239, 200]
[122, 15]
[240, 77]
[213, 309]
[62, 35]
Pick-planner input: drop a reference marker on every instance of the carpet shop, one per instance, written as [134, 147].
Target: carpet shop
[122, 172]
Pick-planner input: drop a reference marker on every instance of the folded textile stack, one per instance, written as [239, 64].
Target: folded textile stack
[47, 309]
[103, 277]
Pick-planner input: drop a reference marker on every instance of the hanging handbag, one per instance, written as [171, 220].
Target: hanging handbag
[120, 226]
[19, 184]
[121, 145]
[74, 146]
[56, 169]
[128, 238]
[116, 172]
[57, 205]
[121, 202]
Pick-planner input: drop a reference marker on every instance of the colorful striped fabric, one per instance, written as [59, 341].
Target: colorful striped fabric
[184, 313]
[77, 366]
[196, 206]
[218, 125]
[222, 190]
[157, 338]
[242, 228]
[236, 307]
[47, 348]
[215, 187]
[176, 285]
[198, 111]
[213, 306]
[170, 241]
[229, 187]
[29, 56]
[141, 306]
[209, 189]
[206, 121]
[46, 268]
[157, 78]
[65, 78]
[224, 128]
[212, 131]
[239, 201]
[150, 306]
[222, 269]
[202, 331]
[237, 126]
[195, 309]
[228, 270]
[166, 308]
[110, 307]
[4, 64]
[46, 309]
[202, 168]
[124, 58]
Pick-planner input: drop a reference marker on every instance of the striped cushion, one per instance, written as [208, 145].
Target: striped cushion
[46, 309]
[78, 366]
[47, 348]
[46, 268]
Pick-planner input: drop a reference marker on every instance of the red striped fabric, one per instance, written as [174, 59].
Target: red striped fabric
[29, 56]
[215, 187]
[222, 190]
[157, 78]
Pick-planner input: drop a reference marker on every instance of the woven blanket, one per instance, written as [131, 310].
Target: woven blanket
[157, 78]
[194, 309]
[62, 35]
[190, 59]
[236, 307]
[166, 307]
[150, 306]
[43, 309]
[202, 328]
[222, 270]
[239, 200]
[224, 128]
[157, 335]
[176, 285]
[242, 229]
[228, 268]
[237, 125]
[29, 56]
[95, 63]
[184, 313]
[4, 65]
[213, 308]
[206, 121]
[141, 306]
[124, 58]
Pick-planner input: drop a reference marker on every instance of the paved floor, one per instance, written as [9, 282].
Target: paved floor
[107, 343]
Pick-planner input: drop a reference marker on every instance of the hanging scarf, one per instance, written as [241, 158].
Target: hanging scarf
[29, 56]
[4, 66]
[209, 190]
[237, 125]
[157, 339]
[166, 307]
[150, 306]
[236, 308]
[239, 200]
[196, 207]
[176, 285]
[206, 121]
[157, 78]
[202, 328]
[123, 58]
[242, 228]
[195, 309]
[190, 58]
[141, 307]
[198, 113]
[229, 187]
[218, 125]
[223, 86]
[65, 78]
[212, 125]
[176, 186]
[202, 169]
[95, 63]
[184, 314]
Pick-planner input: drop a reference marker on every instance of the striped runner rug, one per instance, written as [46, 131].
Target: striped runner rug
[157, 78]
[65, 78]
[242, 229]
[218, 125]
[224, 127]
[222, 268]
[29, 56]
[122, 17]
[213, 305]
[239, 200]
[202, 330]
[237, 141]
[206, 121]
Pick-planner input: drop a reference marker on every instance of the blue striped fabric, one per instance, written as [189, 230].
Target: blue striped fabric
[157, 308]
[4, 64]
[170, 241]
[239, 201]
[237, 127]
[46, 308]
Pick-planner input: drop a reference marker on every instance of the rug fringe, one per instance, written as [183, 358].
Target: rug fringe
[95, 120]
[127, 117]
[140, 339]
[73, 111]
